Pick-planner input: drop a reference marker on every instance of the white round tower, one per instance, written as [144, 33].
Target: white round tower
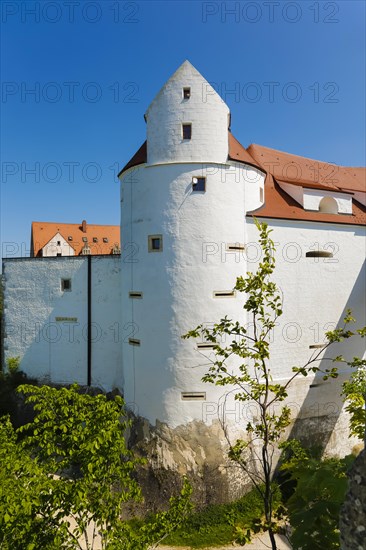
[183, 207]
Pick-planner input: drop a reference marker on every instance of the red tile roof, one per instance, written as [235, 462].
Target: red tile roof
[288, 168]
[43, 232]
[308, 172]
[278, 204]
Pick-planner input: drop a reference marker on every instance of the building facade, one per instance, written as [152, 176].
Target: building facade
[189, 197]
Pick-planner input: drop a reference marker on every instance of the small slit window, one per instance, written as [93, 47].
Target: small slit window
[155, 243]
[135, 294]
[261, 194]
[224, 293]
[134, 342]
[65, 285]
[198, 184]
[316, 346]
[319, 254]
[235, 246]
[206, 345]
[186, 93]
[187, 131]
[193, 396]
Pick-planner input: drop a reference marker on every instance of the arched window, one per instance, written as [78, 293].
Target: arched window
[328, 205]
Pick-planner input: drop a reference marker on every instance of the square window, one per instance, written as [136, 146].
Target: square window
[187, 131]
[65, 285]
[198, 184]
[155, 243]
[186, 93]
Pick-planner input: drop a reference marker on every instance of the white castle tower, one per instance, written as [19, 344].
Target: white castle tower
[183, 202]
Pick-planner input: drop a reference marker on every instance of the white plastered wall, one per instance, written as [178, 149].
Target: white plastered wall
[48, 328]
[178, 283]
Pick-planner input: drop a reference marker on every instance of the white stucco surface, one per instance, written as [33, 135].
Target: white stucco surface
[48, 328]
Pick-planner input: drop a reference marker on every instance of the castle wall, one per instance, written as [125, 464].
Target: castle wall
[47, 327]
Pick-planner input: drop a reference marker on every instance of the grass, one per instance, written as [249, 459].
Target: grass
[215, 525]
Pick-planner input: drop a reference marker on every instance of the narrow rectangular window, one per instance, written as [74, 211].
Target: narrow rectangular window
[193, 396]
[198, 184]
[187, 131]
[235, 246]
[186, 93]
[65, 285]
[206, 345]
[261, 194]
[155, 243]
[224, 293]
[58, 243]
[135, 294]
[134, 342]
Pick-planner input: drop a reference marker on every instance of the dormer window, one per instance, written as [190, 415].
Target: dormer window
[105, 239]
[95, 239]
[328, 205]
[85, 239]
[69, 238]
[198, 184]
[186, 93]
[187, 130]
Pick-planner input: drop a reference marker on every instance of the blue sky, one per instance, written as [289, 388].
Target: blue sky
[292, 73]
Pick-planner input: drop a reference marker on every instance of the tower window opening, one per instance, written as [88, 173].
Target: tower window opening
[224, 294]
[319, 254]
[261, 194]
[186, 93]
[235, 246]
[187, 131]
[135, 294]
[65, 285]
[134, 342]
[155, 243]
[206, 345]
[198, 184]
[193, 396]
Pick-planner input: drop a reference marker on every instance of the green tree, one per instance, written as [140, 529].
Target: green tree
[68, 474]
[354, 392]
[252, 381]
[315, 504]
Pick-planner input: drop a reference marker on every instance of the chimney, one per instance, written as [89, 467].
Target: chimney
[83, 226]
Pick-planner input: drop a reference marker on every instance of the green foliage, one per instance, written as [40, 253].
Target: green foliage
[314, 506]
[250, 376]
[10, 379]
[69, 475]
[354, 392]
[222, 523]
